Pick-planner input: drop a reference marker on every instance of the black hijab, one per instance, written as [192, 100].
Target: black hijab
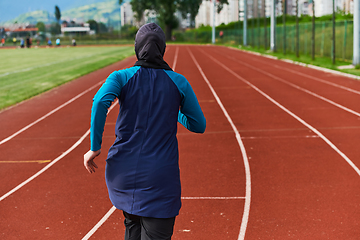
[150, 47]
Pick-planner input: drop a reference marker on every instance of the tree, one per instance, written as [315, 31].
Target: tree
[102, 27]
[189, 7]
[93, 25]
[220, 4]
[40, 26]
[139, 6]
[55, 28]
[57, 14]
[166, 9]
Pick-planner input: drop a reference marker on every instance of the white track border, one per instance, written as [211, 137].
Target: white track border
[246, 213]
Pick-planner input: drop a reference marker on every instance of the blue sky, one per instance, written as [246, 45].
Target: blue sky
[10, 9]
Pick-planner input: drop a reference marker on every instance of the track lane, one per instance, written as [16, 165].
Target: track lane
[322, 83]
[291, 188]
[50, 137]
[313, 111]
[198, 156]
[42, 104]
[48, 128]
[276, 219]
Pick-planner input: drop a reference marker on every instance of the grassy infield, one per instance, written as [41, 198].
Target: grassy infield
[25, 73]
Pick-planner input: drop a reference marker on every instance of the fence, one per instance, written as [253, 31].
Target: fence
[259, 37]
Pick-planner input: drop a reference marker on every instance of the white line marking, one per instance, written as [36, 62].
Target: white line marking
[112, 210]
[49, 113]
[309, 76]
[46, 167]
[212, 198]
[321, 80]
[291, 114]
[246, 213]
[299, 88]
[304, 65]
[52, 163]
[98, 225]
[281, 137]
[27, 161]
[175, 58]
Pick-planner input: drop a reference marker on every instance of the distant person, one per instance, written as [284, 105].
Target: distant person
[2, 41]
[73, 42]
[49, 43]
[142, 170]
[57, 42]
[28, 42]
[14, 41]
[22, 43]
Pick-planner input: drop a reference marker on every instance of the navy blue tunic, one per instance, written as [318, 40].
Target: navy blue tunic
[142, 170]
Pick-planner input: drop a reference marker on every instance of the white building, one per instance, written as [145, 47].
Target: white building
[229, 13]
[347, 6]
[127, 15]
[235, 11]
[324, 7]
[128, 18]
[78, 29]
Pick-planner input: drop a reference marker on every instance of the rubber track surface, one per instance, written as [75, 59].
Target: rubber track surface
[300, 128]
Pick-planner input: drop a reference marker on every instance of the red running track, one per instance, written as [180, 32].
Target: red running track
[279, 158]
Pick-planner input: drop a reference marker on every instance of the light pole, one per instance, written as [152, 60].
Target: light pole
[297, 28]
[273, 27]
[245, 24]
[313, 31]
[333, 36]
[284, 27]
[356, 47]
[213, 26]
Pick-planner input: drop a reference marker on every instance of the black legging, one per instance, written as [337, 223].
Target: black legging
[146, 228]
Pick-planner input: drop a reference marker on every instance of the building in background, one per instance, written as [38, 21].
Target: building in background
[234, 11]
[20, 30]
[74, 29]
[127, 15]
[229, 13]
[348, 6]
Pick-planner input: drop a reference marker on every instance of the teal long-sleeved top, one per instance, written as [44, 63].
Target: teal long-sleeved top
[142, 171]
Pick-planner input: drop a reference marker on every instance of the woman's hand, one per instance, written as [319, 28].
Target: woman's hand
[89, 160]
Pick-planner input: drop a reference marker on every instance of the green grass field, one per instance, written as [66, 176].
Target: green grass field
[25, 73]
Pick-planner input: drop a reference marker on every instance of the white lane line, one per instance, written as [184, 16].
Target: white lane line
[298, 87]
[98, 225]
[246, 213]
[320, 80]
[46, 167]
[49, 113]
[112, 210]
[309, 76]
[291, 114]
[27, 161]
[213, 198]
[175, 58]
[52, 163]
[281, 137]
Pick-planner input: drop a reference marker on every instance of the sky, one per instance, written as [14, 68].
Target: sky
[10, 9]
